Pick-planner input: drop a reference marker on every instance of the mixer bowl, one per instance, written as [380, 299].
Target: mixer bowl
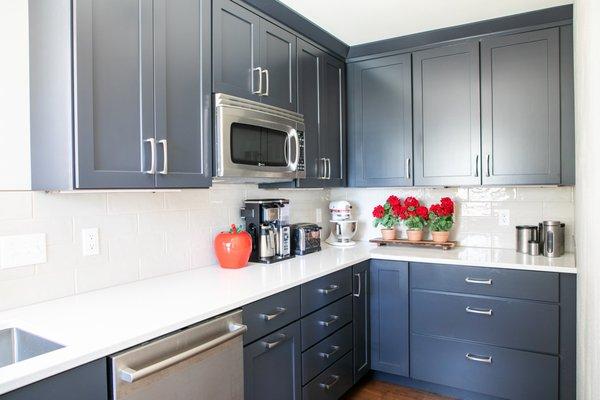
[343, 231]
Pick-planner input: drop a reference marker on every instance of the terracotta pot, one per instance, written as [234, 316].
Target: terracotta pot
[415, 235]
[388, 234]
[440, 236]
[233, 249]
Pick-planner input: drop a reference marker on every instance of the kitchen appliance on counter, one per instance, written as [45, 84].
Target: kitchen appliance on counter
[255, 142]
[343, 227]
[268, 222]
[306, 238]
[194, 363]
[548, 238]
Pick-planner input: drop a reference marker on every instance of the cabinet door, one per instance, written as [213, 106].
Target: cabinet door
[446, 115]
[310, 81]
[113, 93]
[272, 366]
[389, 317]
[278, 61]
[235, 50]
[381, 125]
[361, 320]
[520, 104]
[182, 89]
[332, 140]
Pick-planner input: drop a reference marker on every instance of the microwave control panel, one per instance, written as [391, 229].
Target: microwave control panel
[301, 158]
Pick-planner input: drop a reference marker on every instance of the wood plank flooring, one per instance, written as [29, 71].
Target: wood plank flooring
[377, 390]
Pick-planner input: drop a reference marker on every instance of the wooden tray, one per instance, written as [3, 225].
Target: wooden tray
[422, 243]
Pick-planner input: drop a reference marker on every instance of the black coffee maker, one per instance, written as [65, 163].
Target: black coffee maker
[268, 222]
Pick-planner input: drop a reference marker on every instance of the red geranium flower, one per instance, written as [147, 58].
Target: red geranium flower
[393, 201]
[411, 202]
[378, 212]
[422, 212]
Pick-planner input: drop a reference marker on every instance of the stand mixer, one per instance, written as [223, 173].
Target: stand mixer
[343, 227]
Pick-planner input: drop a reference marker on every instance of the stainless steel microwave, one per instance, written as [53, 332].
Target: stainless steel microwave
[255, 142]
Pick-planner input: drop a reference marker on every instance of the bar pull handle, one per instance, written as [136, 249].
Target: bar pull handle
[260, 71]
[266, 72]
[330, 289]
[152, 169]
[478, 281]
[328, 160]
[275, 343]
[165, 147]
[477, 165]
[331, 384]
[357, 294]
[481, 359]
[472, 310]
[488, 165]
[408, 162]
[332, 320]
[334, 349]
[131, 375]
[278, 312]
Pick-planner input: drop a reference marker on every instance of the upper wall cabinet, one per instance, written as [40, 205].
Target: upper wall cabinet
[380, 127]
[446, 115]
[252, 58]
[520, 103]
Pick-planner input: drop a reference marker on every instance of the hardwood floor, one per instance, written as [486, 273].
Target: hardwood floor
[377, 390]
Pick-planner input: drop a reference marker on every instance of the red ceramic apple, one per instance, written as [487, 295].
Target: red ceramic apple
[233, 248]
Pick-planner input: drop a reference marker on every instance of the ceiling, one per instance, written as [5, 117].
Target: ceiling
[359, 21]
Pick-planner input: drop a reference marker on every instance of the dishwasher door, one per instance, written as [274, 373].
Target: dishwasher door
[202, 362]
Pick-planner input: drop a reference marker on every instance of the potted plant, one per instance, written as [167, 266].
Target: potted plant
[415, 217]
[386, 215]
[441, 217]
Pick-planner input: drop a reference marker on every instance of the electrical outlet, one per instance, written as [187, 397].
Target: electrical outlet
[21, 250]
[319, 217]
[90, 245]
[503, 217]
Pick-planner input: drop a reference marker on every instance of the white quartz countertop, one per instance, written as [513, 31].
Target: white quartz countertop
[100, 323]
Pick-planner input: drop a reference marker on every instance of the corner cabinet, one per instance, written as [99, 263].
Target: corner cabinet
[380, 127]
[361, 303]
[520, 105]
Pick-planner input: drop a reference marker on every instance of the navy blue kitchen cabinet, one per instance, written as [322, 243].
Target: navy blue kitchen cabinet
[380, 124]
[89, 382]
[389, 317]
[361, 303]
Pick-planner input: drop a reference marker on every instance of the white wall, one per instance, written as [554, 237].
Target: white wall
[587, 145]
[14, 95]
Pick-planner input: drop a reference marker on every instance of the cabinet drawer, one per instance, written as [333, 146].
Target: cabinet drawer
[325, 353]
[269, 314]
[496, 371]
[332, 383]
[518, 324]
[324, 322]
[325, 290]
[530, 285]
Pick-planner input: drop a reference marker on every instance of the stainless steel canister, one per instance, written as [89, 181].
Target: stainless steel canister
[525, 233]
[554, 239]
[534, 248]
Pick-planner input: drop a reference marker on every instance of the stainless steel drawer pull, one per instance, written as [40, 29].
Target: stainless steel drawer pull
[152, 169]
[165, 145]
[481, 359]
[260, 74]
[330, 385]
[131, 375]
[329, 289]
[278, 311]
[275, 343]
[479, 281]
[332, 320]
[357, 294]
[479, 311]
[334, 349]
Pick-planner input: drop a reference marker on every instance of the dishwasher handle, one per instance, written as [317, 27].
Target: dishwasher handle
[131, 375]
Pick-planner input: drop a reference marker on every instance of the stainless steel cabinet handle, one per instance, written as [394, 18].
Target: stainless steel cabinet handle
[481, 359]
[477, 165]
[408, 168]
[357, 294]
[131, 375]
[478, 281]
[330, 289]
[472, 310]
[266, 72]
[332, 320]
[165, 147]
[330, 385]
[488, 165]
[259, 90]
[328, 168]
[275, 343]
[152, 169]
[334, 349]
[278, 311]
[324, 172]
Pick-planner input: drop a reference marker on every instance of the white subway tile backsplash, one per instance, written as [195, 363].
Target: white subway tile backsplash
[68, 204]
[492, 194]
[15, 205]
[132, 202]
[164, 221]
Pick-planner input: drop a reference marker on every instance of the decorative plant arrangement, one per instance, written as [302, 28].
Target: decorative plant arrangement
[233, 248]
[415, 217]
[441, 218]
[386, 215]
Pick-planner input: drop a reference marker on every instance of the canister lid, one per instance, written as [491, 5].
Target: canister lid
[526, 226]
[552, 223]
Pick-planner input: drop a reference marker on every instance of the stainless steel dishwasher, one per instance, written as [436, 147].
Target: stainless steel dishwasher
[202, 362]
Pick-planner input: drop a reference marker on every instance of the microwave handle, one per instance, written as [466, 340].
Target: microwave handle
[294, 135]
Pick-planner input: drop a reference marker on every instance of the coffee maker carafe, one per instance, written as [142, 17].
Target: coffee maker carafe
[268, 222]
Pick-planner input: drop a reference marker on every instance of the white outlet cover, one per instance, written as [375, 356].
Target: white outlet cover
[90, 243]
[503, 217]
[21, 250]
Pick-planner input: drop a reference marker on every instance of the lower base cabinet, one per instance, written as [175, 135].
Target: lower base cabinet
[332, 383]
